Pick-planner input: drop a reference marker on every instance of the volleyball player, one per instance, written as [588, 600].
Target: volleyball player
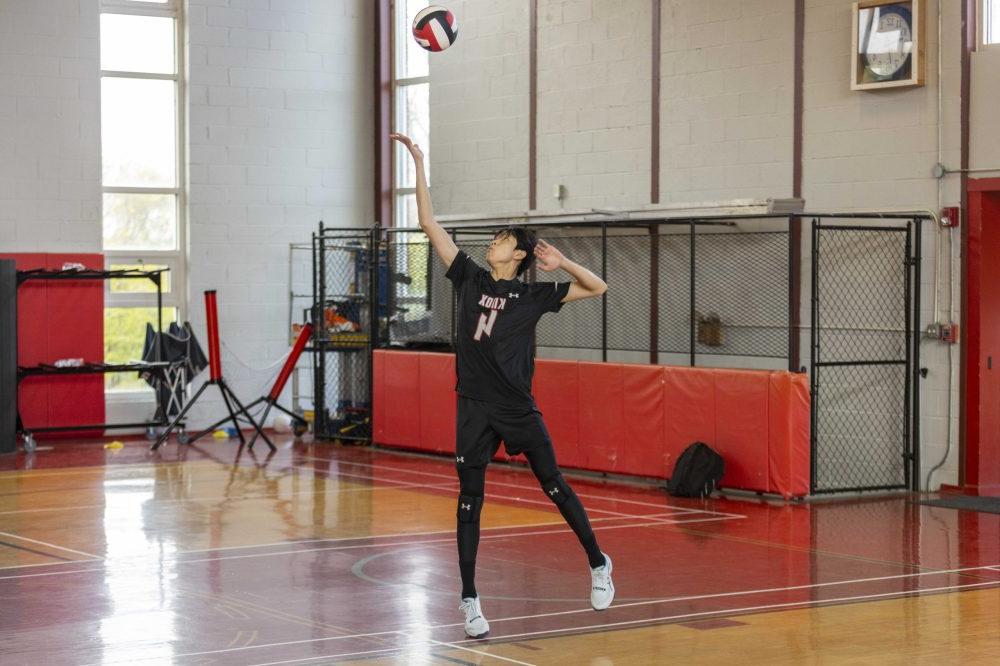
[497, 314]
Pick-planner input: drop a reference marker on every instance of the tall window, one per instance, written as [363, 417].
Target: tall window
[411, 105]
[991, 22]
[142, 169]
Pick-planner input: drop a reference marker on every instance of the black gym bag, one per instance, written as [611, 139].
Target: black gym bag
[697, 472]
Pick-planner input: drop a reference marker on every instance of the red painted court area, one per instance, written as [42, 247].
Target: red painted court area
[322, 553]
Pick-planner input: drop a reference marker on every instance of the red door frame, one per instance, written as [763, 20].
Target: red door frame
[978, 470]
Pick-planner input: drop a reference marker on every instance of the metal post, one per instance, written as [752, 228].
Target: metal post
[794, 277]
[654, 294]
[374, 254]
[604, 297]
[915, 435]
[814, 355]
[454, 299]
[314, 314]
[159, 311]
[392, 243]
[321, 343]
[907, 405]
[691, 309]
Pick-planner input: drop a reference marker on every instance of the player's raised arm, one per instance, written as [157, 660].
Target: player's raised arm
[586, 284]
[440, 239]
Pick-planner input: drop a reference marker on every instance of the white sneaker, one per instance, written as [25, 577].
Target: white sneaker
[476, 625]
[602, 590]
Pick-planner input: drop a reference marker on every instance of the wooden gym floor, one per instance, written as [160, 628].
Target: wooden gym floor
[322, 554]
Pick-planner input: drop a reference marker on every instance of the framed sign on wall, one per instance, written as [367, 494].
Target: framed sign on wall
[887, 44]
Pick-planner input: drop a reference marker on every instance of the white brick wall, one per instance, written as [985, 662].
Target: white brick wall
[479, 110]
[593, 103]
[726, 99]
[280, 128]
[864, 150]
[49, 126]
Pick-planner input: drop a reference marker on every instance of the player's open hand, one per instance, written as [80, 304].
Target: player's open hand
[418, 155]
[547, 257]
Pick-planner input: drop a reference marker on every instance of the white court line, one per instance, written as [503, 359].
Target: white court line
[546, 503]
[740, 593]
[302, 550]
[749, 609]
[51, 564]
[181, 500]
[563, 528]
[50, 545]
[479, 652]
[522, 487]
[404, 484]
[266, 645]
[305, 659]
[576, 630]
[549, 503]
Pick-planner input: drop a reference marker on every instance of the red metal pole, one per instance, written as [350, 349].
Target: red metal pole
[293, 358]
[212, 322]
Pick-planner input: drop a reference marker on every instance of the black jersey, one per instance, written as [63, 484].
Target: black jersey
[494, 331]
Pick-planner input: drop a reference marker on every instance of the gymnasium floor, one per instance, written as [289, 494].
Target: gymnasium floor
[324, 554]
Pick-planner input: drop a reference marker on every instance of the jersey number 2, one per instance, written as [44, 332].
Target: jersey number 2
[485, 325]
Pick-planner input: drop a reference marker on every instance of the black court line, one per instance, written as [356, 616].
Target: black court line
[36, 552]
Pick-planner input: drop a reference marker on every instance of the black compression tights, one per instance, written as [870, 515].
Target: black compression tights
[472, 483]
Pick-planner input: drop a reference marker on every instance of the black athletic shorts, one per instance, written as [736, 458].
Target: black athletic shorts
[481, 425]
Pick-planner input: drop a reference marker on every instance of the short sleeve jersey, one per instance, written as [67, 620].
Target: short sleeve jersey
[494, 329]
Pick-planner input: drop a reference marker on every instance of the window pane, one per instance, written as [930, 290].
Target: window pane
[991, 24]
[413, 119]
[124, 336]
[137, 43]
[138, 285]
[138, 133]
[135, 222]
[411, 59]
[406, 210]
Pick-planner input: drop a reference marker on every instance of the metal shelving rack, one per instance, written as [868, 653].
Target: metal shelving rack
[158, 367]
[343, 339]
[299, 303]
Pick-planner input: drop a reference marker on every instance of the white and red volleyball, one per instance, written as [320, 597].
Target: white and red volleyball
[435, 28]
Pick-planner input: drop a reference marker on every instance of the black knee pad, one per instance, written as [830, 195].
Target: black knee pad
[557, 489]
[469, 507]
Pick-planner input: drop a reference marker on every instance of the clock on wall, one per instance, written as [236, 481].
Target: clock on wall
[888, 44]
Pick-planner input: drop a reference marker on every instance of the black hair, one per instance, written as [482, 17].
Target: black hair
[526, 240]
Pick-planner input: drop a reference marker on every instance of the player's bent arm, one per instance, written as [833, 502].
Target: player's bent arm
[586, 284]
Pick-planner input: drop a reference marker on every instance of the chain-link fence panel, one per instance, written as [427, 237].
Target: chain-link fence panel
[629, 281]
[861, 357]
[342, 334]
[578, 326]
[741, 302]
[741, 293]
[860, 427]
[862, 282]
[420, 294]
[674, 278]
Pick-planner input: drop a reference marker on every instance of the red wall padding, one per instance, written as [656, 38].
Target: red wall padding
[624, 418]
[60, 319]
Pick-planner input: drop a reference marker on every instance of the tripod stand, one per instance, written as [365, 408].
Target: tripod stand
[271, 399]
[215, 379]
